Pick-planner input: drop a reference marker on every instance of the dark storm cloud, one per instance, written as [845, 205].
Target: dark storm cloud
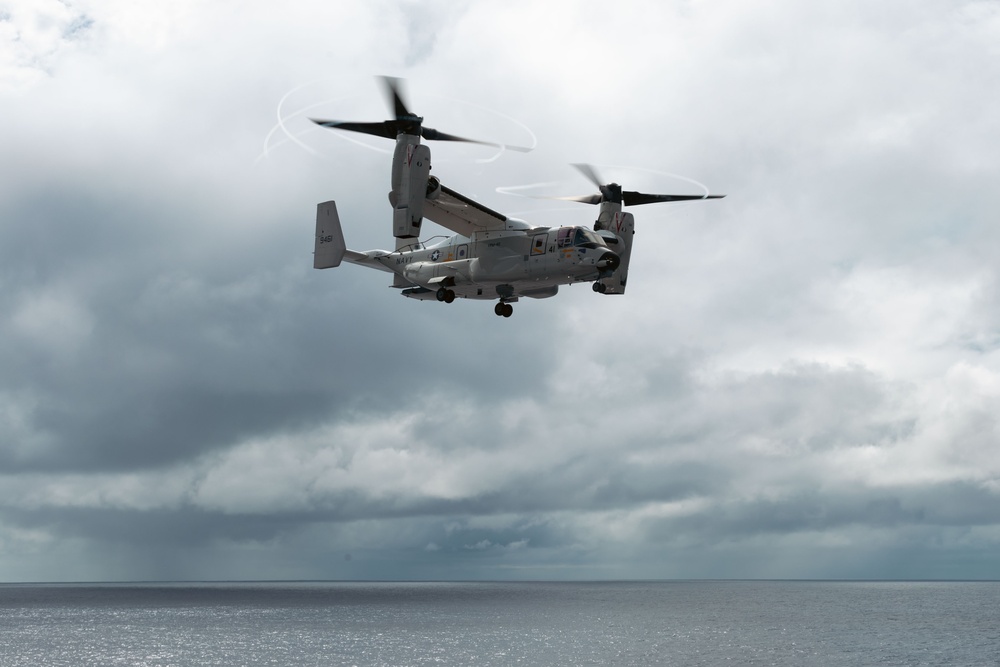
[174, 528]
[938, 508]
[189, 524]
[187, 349]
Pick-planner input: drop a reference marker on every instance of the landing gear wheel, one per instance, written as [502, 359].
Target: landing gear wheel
[503, 309]
[449, 296]
[600, 288]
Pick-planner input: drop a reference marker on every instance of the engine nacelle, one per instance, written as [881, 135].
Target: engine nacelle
[622, 227]
[411, 166]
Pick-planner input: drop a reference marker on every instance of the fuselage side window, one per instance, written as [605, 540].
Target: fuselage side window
[538, 244]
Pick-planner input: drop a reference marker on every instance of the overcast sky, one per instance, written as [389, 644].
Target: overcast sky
[803, 380]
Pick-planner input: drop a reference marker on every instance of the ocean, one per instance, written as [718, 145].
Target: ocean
[524, 623]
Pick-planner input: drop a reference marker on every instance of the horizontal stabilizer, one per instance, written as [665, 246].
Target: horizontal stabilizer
[420, 293]
[330, 246]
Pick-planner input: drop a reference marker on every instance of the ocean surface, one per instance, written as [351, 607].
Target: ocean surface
[613, 623]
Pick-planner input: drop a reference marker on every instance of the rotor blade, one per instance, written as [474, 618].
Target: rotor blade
[431, 134]
[394, 87]
[590, 173]
[632, 198]
[519, 149]
[583, 199]
[405, 122]
[381, 129]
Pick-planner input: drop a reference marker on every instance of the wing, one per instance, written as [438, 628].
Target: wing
[461, 214]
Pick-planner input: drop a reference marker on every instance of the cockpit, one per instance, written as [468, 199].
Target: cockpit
[578, 237]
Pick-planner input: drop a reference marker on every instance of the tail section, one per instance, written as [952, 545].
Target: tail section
[330, 247]
[331, 250]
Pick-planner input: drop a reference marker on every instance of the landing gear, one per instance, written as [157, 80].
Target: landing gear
[445, 294]
[504, 309]
[600, 288]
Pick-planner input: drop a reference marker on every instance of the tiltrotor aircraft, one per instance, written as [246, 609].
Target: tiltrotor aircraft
[491, 256]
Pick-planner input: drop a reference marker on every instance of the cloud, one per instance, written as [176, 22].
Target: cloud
[38, 34]
[798, 383]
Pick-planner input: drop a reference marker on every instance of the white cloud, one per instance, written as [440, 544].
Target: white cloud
[37, 34]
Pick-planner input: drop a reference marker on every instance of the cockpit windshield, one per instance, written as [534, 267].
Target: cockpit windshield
[587, 239]
[578, 236]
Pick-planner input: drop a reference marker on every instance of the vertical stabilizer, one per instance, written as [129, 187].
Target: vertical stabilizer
[330, 246]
